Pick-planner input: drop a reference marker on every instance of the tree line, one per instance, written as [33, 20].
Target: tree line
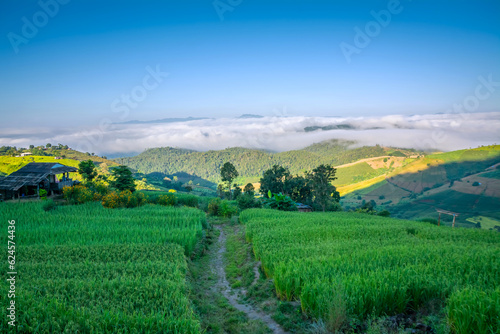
[248, 162]
[281, 189]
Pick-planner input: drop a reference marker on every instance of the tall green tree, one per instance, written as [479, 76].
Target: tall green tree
[324, 192]
[87, 170]
[237, 191]
[274, 179]
[299, 189]
[123, 179]
[249, 189]
[228, 173]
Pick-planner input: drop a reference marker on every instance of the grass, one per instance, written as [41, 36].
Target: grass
[89, 269]
[492, 175]
[240, 262]
[486, 222]
[214, 311]
[356, 173]
[376, 266]
[360, 185]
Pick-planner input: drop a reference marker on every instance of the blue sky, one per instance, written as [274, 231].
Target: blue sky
[264, 57]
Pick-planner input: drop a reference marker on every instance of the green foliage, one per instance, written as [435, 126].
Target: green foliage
[123, 179]
[273, 180]
[248, 201]
[87, 269]
[49, 205]
[42, 193]
[248, 162]
[476, 184]
[429, 220]
[221, 208]
[213, 207]
[236, 192]
[249, 189]
[167, 200]
[279, 202]
[472, 310]
[123, 199]
[375, 265]
[87, 170]
[187, 200]
[324, 192]
[78, 194]
[228, 173]
[397, 154]
[384, 213]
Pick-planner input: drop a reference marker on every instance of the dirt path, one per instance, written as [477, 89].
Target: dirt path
[232, 295]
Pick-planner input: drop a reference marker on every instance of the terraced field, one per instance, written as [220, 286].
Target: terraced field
[89, 269]
[345, 266]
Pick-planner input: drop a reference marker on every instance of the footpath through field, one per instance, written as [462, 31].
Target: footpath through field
[232, 295]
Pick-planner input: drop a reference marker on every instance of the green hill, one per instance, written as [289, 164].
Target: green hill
[465, 182]
[250, 163]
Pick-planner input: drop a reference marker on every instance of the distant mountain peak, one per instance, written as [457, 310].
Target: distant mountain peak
[165, 120]
[250, 116]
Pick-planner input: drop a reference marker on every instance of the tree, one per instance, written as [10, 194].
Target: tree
[87, 170]
[237, 191]
[32, 147]
[299, 189]
[49, 145]
[249, 189]
[228, 173]
[324, 191]
[123, 179]
[274, 180]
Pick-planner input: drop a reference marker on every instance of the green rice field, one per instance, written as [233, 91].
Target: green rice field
[87, 269]
[344, 266]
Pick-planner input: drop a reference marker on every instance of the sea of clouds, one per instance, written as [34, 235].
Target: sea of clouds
[437, 131]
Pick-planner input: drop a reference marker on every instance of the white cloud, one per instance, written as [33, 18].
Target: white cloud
[443, 132]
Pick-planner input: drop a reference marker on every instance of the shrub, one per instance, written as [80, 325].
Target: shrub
[213, 207]
[248, 201]
[111, 200]
[227, 210]
[280, 202]
[49, 205]
[78, 194]
[384, 213]
[429, 220]
[122, 199]
[43, 194]
[132, 200]
[167, 200]
[476, 184]
[381, 197]
[221, 208]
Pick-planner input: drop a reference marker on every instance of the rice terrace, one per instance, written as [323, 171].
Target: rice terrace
[250, 167]
[100, 257]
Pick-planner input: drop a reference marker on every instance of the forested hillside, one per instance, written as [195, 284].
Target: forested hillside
[249, 163]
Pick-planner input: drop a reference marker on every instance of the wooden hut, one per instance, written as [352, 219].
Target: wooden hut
[28, 180]
[304, 208]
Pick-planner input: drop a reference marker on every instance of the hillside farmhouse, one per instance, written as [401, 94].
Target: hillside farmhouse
[28, 180]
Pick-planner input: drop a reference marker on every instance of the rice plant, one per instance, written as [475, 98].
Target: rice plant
[90, 269]
[369, 265]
